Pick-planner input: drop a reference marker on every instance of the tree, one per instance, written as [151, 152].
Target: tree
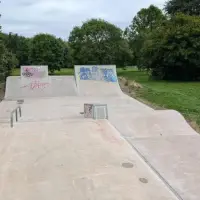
[47, 50]
[7, 59]
[19, 46]
[7, 62]
[23, 52]
[97, 42]
[68, 59]
[173, 51]
[188, 7]
[146, 21]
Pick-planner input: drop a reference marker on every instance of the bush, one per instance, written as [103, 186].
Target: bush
[173, 51]
[7, 62]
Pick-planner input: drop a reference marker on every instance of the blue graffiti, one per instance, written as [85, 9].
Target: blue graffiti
[109, 75]
[85, 73]
[95, 69]
[96, 73]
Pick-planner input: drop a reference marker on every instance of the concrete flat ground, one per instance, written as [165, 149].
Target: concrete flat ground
[177, 158]
[73, 159]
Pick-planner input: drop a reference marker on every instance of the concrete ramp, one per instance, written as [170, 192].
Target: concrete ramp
[98, 80]
[158, 123]
[98, 88]
[55, 87]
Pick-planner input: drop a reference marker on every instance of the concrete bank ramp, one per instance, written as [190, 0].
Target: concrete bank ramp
[157, 123]
[98, 80]
[55, 87]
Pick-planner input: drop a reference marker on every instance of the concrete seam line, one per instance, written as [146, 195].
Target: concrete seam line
[177, 195]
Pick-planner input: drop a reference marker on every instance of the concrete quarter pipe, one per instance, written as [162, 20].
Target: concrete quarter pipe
[97, 81]
[54, 153]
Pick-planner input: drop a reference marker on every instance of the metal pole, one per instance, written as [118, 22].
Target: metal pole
[16, 114]
[20, 111]
[11, 120]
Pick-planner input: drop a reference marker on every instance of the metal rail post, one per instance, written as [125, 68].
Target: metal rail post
[15, 111]
[11, 120]
[16, 115]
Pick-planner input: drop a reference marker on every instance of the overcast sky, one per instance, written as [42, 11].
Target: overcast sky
[58, 17]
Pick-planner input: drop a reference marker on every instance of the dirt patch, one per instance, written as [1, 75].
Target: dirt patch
[194, 125]
[131, 88]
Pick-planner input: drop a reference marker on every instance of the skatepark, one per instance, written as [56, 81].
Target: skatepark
[54, 152]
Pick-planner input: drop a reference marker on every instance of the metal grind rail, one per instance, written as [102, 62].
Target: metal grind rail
[15, 112]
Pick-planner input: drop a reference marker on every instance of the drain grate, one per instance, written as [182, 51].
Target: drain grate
[144, 180]
[127, 165]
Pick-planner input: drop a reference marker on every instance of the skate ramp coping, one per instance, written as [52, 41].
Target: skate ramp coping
[98, 80]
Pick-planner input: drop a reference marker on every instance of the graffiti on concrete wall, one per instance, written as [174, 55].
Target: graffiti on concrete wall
[27, 73]
[33, 72]
[97, 73]
[108, 75]
[36, 85]
[85, 73]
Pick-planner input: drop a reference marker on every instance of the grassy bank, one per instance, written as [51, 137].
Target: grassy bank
[181, 96]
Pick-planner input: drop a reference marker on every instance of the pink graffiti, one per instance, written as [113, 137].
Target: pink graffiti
[31, 69]
[32, 72]
[36, 85]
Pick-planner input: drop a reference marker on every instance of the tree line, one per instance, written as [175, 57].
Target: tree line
[165, 43]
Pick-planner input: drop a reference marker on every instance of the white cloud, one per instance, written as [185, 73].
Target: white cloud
[58, 17]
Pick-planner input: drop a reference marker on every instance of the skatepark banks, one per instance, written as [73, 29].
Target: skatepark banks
[53, 152]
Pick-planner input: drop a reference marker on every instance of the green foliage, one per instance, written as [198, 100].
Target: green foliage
[47, 50]
[99, 42]
[7, 62]
[147, 20]
[173, 51]
[18, 45]
[188, 7]
[68, 59]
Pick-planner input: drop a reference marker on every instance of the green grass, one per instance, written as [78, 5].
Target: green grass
[181, 96]
[62, 72]
[15, 72]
